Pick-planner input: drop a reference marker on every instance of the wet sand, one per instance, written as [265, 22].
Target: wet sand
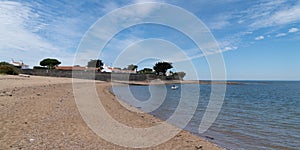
[41, 113]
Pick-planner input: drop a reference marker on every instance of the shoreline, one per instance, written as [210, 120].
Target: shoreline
[40, 112]
[161, 82]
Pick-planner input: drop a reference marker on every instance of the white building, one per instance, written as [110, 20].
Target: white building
[116, 70]
[19, 64]
[106, 68]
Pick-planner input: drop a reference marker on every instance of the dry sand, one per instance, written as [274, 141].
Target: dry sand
[40, 113]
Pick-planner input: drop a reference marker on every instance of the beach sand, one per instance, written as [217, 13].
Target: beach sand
[41, 113]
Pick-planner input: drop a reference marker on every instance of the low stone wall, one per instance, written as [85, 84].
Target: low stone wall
[92, 75]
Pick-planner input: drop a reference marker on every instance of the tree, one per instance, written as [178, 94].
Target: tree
[162, 67]
[146, 71]
[50, 63]
[96, 63]
[6, 68]
[132, 67]
[180, 74]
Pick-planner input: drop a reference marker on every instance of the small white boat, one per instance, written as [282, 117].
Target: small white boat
[174, 87]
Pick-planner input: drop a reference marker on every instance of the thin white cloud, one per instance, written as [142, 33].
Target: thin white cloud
[271, 15]
[247, 32]
[275, 13]
[13, 33]
[288, 15]
[219, 21]
[103, 31]
[280, 34]
[259, 38]
[15, 37]
[109, 6]
[220, 24]
[195, 53]
[228, 48]
[201, 55]
[35, 29]
[116, 46]
[292, 30]
[233, 42]
[147, 1]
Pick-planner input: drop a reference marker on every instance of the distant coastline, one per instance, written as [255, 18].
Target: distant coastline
[158, 82]
[132, 79]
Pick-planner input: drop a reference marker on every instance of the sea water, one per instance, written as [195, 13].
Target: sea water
[254, 114]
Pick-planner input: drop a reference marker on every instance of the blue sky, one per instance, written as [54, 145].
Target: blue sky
[258, 39]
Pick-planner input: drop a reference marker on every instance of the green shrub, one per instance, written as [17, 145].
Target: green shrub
[6, 68]
[4, 63]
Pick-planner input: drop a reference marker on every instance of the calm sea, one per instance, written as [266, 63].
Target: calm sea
[254, 115]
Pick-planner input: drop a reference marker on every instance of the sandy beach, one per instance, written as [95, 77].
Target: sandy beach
[41, 113]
